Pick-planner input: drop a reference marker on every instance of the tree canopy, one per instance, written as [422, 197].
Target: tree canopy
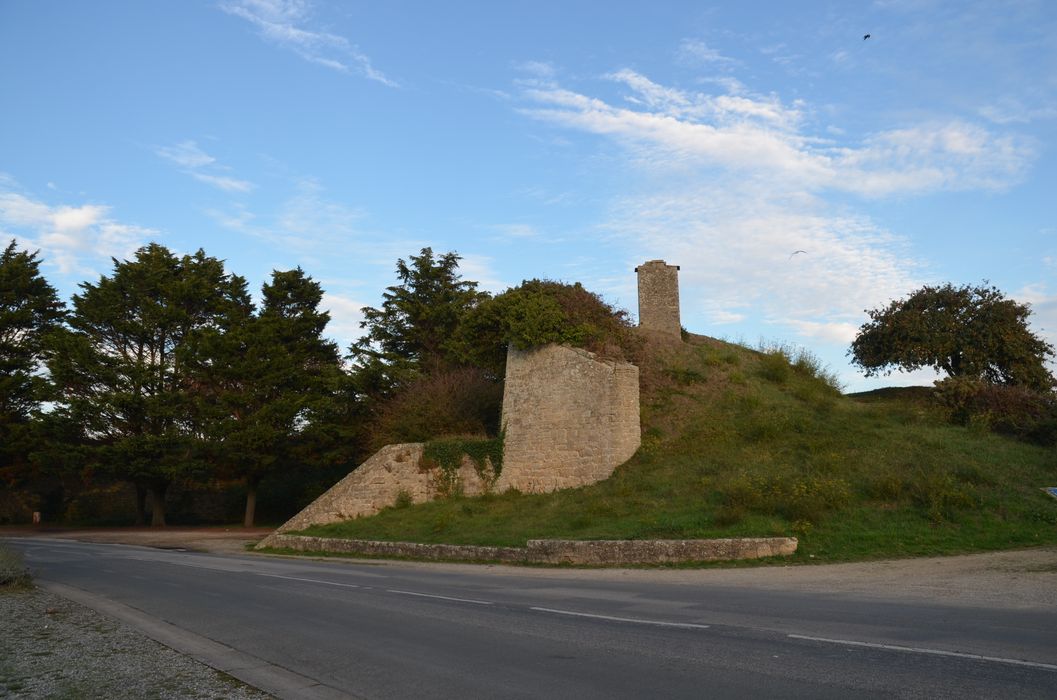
[265, 379]
[963, 331]
[411, 333]
[29, 310]
[122, 367]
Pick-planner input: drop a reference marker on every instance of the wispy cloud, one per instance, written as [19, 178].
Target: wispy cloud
[314, 227]
[285, 23]
[186, 155]
[732, 182]
[193, 161]
[763, 136]
[228, 184]
[72, 238]
[697, 52]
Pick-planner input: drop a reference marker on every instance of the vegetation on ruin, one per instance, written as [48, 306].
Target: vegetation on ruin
[760, 442]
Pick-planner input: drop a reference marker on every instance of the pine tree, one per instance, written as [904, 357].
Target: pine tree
[122, 366]
[410, 335]
[269, 380]
[30, 310]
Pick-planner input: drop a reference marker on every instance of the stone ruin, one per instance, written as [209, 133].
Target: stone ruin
[569, 419]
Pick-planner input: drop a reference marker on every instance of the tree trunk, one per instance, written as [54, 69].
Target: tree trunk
[157, 505]
[251, 502]
[141, 505]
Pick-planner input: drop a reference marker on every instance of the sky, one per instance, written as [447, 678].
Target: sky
[560, 140]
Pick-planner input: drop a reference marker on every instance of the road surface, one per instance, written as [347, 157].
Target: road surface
[346, 629]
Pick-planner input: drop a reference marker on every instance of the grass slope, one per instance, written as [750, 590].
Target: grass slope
[739, 442]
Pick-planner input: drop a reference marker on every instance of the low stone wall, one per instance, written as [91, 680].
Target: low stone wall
[377, 483]
[657, 551]
[440, 552]
[581, 552]
[569, 418]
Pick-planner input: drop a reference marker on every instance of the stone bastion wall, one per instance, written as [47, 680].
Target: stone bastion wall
[570, 419]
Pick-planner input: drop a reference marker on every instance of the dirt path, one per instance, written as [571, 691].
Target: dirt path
[1018, 579]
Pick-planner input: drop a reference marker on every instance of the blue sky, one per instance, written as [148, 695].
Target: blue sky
[563, 140]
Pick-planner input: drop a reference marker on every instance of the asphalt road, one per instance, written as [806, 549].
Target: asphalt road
[340, 628]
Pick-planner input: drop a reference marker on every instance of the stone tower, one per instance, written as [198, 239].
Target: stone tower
[659, 297]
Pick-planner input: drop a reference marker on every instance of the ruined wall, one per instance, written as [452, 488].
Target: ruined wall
[659, 297]
[570, 419]
[376, 484]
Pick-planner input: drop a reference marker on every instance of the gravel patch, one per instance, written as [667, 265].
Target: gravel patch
[51, 647]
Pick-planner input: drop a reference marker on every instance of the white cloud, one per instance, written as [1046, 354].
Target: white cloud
[284, 23]
[759, 135]
[1043, 319]
[345, 317]
[734, 244]
[70, 238]
[478, 268]
[201, 166]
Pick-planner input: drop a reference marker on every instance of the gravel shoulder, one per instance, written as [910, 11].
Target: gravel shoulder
[51, 647]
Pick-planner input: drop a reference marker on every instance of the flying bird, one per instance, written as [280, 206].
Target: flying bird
[796, 252]
[865, 37]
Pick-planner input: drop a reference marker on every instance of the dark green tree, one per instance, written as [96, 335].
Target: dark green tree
[122, 367]
[268, 383]
[967, 331]
[29, 311]
[411, 334]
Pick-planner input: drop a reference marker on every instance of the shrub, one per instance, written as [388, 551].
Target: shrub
[460, 401]
[543, 311]
[1011, 410]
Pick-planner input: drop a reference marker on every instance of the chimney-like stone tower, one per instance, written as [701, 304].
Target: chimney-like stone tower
[659, 297]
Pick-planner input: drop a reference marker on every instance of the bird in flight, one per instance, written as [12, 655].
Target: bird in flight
[796, 252]
[865, 37]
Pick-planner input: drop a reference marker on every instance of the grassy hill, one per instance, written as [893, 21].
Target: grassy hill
[738, 442]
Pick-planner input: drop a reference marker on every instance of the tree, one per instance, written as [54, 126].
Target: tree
[267, 380]
[965, 331]
[411, 334]
[29, 311]
[122, 367]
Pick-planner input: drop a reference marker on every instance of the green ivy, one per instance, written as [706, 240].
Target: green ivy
[447, 453]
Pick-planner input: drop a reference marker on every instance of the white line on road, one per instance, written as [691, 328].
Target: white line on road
[920, 650]
[441, 597]
[659, 623]
[311, 580]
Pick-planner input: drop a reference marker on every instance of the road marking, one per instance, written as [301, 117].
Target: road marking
[934, 652]
[441, 597]
[659, 623]
[311, 580]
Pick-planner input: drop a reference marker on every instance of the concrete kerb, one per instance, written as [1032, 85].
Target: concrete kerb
[577, 552]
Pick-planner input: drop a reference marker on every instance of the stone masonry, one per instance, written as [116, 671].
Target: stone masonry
[377, 483]
[569, 419]
[659, 297]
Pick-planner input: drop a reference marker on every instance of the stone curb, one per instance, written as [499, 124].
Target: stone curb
[582, 552]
